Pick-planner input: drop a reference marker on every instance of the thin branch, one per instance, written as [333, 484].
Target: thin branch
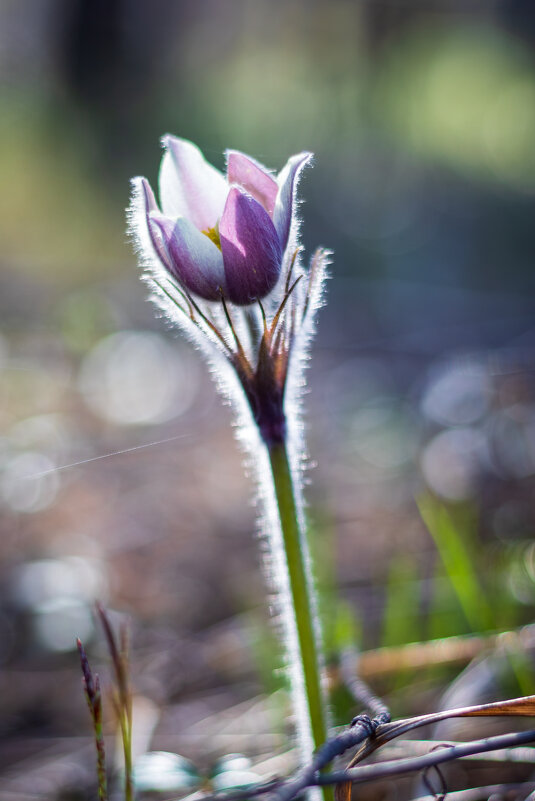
[358, 688]
[402, 748]
[400, 767]
[364, 731]
[490, 790]
[514, 707]
[362, 728]
[278, 788]
[439, 795]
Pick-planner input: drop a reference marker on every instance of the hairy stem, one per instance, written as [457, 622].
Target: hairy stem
[301, 591]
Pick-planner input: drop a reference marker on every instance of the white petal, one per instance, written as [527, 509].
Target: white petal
[285, 211]
[189, 186]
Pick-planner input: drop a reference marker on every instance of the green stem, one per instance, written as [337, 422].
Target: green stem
[126, 733]
[302, 593]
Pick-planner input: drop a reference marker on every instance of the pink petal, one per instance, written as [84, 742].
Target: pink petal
[251, 248]
[254, 178]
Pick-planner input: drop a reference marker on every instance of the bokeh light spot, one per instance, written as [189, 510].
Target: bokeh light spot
[58, 622]
[29, 482]
[135, 378]
[450, 462]
[457, 394]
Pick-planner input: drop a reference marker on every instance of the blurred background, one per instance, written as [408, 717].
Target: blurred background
[119, 476]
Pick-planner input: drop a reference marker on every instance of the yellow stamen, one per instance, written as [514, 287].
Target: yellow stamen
[213, 235]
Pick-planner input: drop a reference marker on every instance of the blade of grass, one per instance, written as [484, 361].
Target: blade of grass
[458, 563]
[93, 697]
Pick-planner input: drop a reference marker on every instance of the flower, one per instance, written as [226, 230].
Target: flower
[222, 258]
[219, 236]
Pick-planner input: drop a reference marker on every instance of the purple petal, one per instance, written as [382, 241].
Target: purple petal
[251, 249]
[254, 178]
[285, 204]
[189, 186]
[192, 258]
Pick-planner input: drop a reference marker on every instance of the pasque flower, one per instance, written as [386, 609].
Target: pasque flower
[220, 235]
[222, 250]
[222, 257]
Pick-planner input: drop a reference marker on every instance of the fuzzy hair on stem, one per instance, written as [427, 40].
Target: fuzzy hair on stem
[257, 355]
